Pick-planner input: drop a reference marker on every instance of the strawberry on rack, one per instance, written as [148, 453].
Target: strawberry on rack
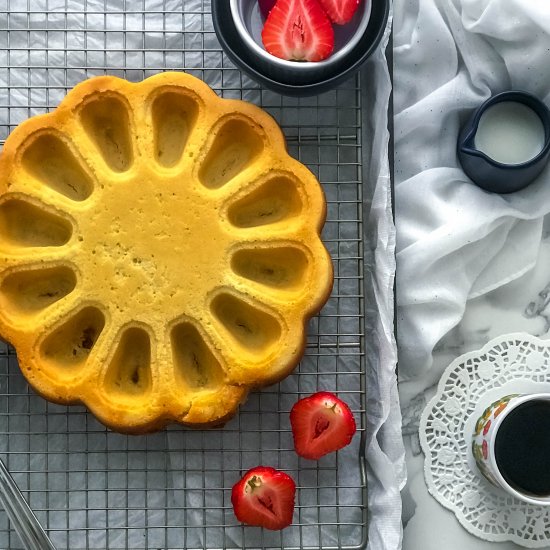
[321, 424]
[298, 30]
[264, 497]
[340, 11]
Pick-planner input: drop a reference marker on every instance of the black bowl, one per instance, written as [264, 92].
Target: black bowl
[307, 84]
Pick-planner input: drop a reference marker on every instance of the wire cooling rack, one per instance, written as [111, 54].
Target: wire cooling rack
[94, 489]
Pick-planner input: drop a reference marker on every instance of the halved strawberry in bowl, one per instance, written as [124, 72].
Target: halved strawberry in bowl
[264, 497]
[321, 423]
[340, 11]
[298, 30]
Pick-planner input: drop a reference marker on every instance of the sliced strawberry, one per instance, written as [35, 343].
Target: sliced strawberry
[264, 497]
[265, 6]
[298, 30]
[340, 11]
[321, 424]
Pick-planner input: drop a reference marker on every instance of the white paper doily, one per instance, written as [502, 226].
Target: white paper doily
[515, 363]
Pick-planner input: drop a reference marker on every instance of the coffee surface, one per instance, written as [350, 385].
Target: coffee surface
[522, 448]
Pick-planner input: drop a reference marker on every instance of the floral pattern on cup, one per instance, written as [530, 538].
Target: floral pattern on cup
[480, 443]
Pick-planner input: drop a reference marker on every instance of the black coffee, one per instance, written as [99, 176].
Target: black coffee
[522, 448]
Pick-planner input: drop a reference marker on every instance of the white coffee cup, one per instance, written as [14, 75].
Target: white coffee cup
[485, 436]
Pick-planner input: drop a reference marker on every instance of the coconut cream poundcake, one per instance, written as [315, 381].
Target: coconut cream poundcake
[159, 252]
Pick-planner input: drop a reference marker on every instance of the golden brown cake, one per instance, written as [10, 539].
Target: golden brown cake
[159, 252]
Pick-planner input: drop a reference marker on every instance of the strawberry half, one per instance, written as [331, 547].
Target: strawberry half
[265, 6]
[321, 424]
[264, 497]
[298, 30]
[340, 11]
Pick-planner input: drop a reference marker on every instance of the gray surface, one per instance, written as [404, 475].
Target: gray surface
[92, 488]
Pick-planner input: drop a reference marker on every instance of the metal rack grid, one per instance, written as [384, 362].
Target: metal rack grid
[94, 489]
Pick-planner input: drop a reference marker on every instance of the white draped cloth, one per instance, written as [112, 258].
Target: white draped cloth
[454, 240]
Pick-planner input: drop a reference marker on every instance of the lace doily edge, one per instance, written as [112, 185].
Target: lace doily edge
[428, 474]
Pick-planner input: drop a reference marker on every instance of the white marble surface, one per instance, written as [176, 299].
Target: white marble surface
[520, 306]
[455, 242]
